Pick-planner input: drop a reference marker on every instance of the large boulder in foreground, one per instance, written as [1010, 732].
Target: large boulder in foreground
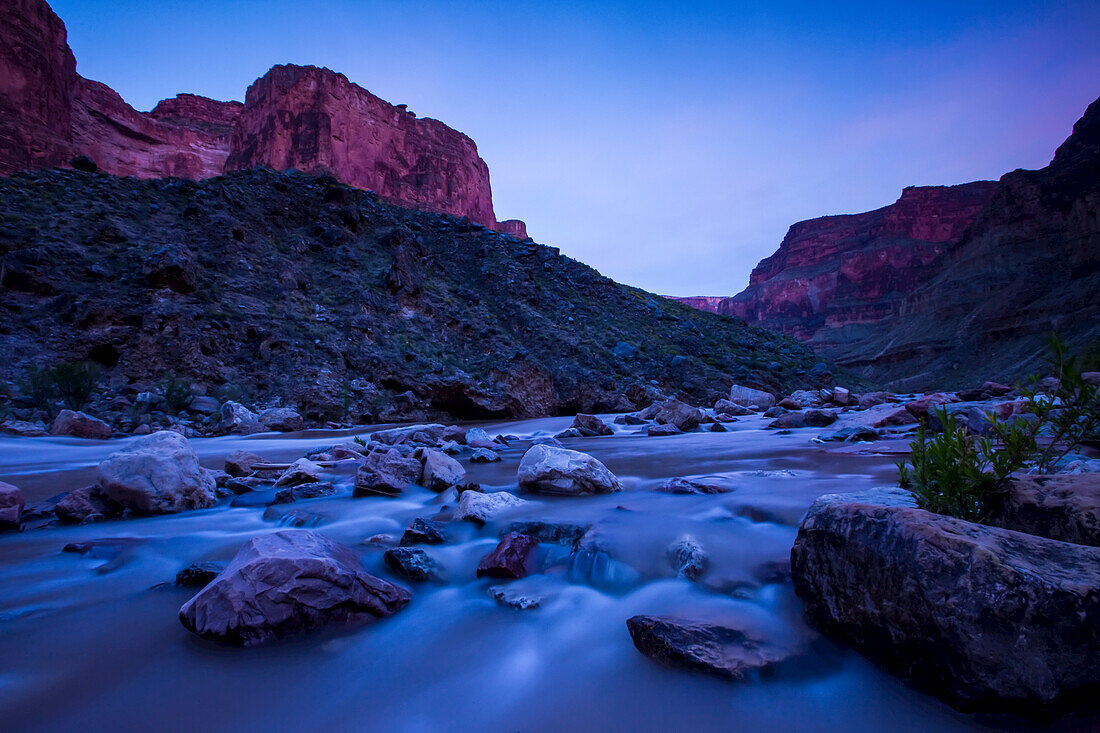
[984, 617]
[287, 583]
[1062, 507]
[548, 470]
[157, 474]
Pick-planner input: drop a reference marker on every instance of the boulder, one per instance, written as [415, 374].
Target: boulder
[807, 397]
[687, 557]
[412, 563]
[548, 470]
[286, 583]
[483, 455]
[749, 397]
[819, 418]
[629, 419]
[80, 425]
[690, 486]
[675, 412]
[841, 396]
[657, 431]
[11, 506]
[432, 434]
[236, 418]
[788, 421]
[984, 617]
[919, 408]
[302, 471]
[478, 438]
[871, 399]
[241, 463]
[856, 433]
[510, 559]
[722, 651]
[726, 407]
[82, 505]
[789, 404]
[590, 426]
[900, 416]
[424, 532]
[441, 472]
[157, 474]
[23, 429]
[386, 473]
[1062, 507]
[775, 411]
[478, 507]
[282, 419]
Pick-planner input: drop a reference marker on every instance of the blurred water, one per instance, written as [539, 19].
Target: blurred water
[93, 642]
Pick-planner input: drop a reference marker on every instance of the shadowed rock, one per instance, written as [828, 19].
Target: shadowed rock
[288, 583]
[510, 559]
[717, 650]
[1060, 507]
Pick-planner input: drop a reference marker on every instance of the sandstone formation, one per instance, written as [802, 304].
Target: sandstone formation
[835, 275]
[984, 617]
[287, 583]
[951, 284]
[300, 117]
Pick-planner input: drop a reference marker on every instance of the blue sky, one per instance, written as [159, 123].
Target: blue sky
[668, 145]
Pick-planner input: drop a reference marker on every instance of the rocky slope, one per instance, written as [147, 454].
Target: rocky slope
[270, 286]
[708, 303]
[949, 285]
[300, 117]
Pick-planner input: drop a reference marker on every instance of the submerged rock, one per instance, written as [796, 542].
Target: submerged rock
[984, 617]
[658, 431]
[690, 486]
[556, 532]
[424, 531]
[198, 575]
[484, 455]
[311, 490]
[718, 650]
[287, 583]
[157, 474]
[687, 557]
[548, 470]
[513, 597]
[414, 564]
[510, 559]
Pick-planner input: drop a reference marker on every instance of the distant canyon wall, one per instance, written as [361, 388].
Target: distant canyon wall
[950, 284]
[294, 117]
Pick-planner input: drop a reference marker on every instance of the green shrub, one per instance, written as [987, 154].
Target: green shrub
[71, 383]
[963, 475]
[177, 392]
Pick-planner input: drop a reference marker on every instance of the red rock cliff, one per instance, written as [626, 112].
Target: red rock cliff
[708, 303]
[300, 117]
[836, 272]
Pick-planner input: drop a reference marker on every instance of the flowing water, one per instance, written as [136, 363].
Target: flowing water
[93, 642]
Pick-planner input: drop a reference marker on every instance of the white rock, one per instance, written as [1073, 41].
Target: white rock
[302, 471]
[157, 474]
[484, 507]
[749, 397]
[548, 470]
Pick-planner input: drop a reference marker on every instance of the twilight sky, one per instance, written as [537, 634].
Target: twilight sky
[669, 145]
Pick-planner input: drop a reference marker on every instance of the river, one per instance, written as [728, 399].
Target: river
[93, 642]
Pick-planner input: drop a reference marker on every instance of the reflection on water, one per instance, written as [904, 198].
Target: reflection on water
[92, 641]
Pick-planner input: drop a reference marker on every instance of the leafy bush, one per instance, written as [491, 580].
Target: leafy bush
[962, 475]
[177, 392]
[72, 383]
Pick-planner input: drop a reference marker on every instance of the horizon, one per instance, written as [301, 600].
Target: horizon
[637, 201]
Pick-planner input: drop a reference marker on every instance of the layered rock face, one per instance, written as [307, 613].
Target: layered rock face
[950, 285]
[299, 117]
[836, 272]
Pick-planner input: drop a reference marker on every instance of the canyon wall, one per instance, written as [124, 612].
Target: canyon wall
[950, 285]
[294, 117]
[708, 303]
